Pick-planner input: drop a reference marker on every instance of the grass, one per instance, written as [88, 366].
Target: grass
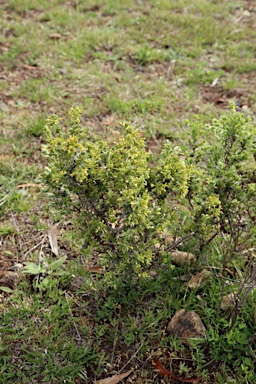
[151, 63]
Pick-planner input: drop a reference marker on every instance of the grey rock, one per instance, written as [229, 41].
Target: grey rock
[186, 326]
[199, 279]
[180, 258]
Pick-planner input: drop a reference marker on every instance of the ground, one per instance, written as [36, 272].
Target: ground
[153, 63]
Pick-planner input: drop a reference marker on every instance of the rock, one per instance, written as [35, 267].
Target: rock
[9, 279]
[16, 267]
[197, 280]
[4, 107]
[168, 239]
[228, 301]
[246, 13]
[55, 36]
[182, 277]
[246, 110]
[186, 325]
[157, 246]
[76, 283]
[180, 258]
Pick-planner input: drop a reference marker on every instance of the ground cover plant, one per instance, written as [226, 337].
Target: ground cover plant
[156, 65]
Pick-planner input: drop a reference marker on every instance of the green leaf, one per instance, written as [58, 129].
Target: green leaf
[56, 264]
[45, 283]
[6, 289]
[33, 269]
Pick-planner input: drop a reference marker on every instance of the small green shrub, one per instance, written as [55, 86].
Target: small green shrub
[113, 193]
[44, 272]
[122, 199]
[224, 185]
[222, 197]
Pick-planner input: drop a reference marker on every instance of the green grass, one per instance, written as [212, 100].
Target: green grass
[148, 62]
[59, 334]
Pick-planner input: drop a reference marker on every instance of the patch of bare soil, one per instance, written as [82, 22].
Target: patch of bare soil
[242, 97]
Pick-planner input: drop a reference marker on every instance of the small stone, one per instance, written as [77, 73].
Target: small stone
[55, 36]
[197, 280]
[227, 301]
[246, 13]
[157, 246]
[186, 326]
[169, 240]
[4, 107]
[9, 279]
[246, 110]
[77, 283]
[16, 267]
[180, 258]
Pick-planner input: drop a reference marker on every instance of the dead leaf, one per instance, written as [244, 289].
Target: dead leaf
[5, 49]
[218, 100]
[95, 269]
[114, 379]
[55, 36]
[29, 185]
[215, 81]
[52, 235]
[4, 157]
[162, 371]
[26, 66]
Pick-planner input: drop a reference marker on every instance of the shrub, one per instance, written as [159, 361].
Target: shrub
[225, 185]
[123, 199]
[222, 197]
[115, 195]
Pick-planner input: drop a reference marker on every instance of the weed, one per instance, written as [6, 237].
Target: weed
[35, 127]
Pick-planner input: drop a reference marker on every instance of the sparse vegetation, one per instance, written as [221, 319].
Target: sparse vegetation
[75, 306]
